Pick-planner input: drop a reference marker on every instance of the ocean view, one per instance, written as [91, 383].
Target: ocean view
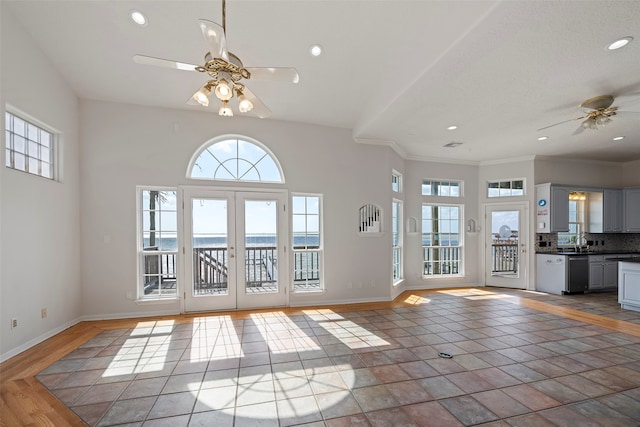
[171, 244]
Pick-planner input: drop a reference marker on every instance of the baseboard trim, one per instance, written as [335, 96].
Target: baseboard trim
[37, 340]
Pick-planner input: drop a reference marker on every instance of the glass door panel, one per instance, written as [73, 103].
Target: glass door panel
[505, 249]
[234, 255]
[262, 225]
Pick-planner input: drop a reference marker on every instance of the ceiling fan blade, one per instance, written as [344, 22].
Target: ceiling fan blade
[259, 108]
[578, 131]
[214, 36]
[289, 75]
[556, 124]
[626, 113]
[166, 63]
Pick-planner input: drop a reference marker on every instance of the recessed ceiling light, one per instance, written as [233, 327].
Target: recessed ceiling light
[452, 127]
[620, 43]
[316, 50]
[138, 17]
[543, 138]
[618, 138]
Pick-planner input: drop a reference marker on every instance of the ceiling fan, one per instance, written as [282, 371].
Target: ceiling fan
[227, 73]
[599, 112]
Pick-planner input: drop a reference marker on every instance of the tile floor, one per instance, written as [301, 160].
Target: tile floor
[510, 366]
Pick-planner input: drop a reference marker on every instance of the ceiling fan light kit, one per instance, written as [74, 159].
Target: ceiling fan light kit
[226, 71]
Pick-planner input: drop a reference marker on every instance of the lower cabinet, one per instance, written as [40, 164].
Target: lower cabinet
[596, 272]
[610, 274]
[603, 274]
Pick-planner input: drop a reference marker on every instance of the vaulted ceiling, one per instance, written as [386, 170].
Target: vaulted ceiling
[395, 72]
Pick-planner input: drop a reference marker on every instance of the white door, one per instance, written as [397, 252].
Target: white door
[505, 253]
[234, 249]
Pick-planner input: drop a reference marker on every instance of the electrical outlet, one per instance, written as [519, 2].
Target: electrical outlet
[43, 313]
[14, 323]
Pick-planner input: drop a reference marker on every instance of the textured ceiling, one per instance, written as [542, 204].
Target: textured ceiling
[395, 72]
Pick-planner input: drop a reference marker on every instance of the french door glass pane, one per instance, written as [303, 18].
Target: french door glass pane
[261, 242]
[210, 247]
[504, 243]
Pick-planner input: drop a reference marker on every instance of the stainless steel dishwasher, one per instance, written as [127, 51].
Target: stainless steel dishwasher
[578, 280]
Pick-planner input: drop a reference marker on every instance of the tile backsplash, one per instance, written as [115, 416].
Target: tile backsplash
[623, 242]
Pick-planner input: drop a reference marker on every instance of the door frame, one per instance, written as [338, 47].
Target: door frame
[185, 193]
[523, 250]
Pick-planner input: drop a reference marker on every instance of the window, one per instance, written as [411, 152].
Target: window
[396, 240]
[370, 219]
[396, 182]
[441, 188]
[235, 159]
[28, 147]
[441, 240]
[505, 188]
[306, 214]
[157, 243]
[576, 220]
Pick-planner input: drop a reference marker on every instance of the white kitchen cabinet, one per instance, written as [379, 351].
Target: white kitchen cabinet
[612, 211]
[596, 272]
[552, 210]
[629, 285]
[631, 202]
[603, 272]
[560, 209]
[610, 274]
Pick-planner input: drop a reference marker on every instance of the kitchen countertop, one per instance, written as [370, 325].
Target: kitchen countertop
[607, 252]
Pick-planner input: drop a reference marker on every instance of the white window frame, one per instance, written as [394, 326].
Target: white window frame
[193, 163]
[53, 148]
[502, 185]
[575, 227]
[140, 209]
[397, 257]
[396, 178]
[298, 254]
[460, 185]
[460, 246]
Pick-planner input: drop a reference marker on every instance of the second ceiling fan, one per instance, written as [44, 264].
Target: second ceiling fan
[598, 113]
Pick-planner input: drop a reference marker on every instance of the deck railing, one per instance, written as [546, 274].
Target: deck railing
[441, 261]
[504, 257]
[210, 269]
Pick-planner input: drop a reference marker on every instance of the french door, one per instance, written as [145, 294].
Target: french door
[506, 259]
[234, 249]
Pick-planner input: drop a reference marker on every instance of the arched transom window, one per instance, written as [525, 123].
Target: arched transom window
[235, 159]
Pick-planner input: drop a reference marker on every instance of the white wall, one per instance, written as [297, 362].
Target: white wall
[630, 175]
[125, 146]
[578, 172]
[40, 218]
[416, 171]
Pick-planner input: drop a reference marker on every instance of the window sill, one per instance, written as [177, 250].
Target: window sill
[370, 234]
[448, 276]
[313, 292]
[156, 301]
[398, 282]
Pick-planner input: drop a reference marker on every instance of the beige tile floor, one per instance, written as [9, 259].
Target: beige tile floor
[510, 366]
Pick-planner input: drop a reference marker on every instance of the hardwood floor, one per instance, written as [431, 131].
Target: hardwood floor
[25, 402]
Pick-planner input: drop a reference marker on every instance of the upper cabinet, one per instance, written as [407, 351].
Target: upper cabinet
[602, 210]
[613, 211]
[631, 202]
[552, 208]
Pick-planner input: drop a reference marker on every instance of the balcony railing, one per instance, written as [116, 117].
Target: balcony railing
[441, 260]
[504, 257]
